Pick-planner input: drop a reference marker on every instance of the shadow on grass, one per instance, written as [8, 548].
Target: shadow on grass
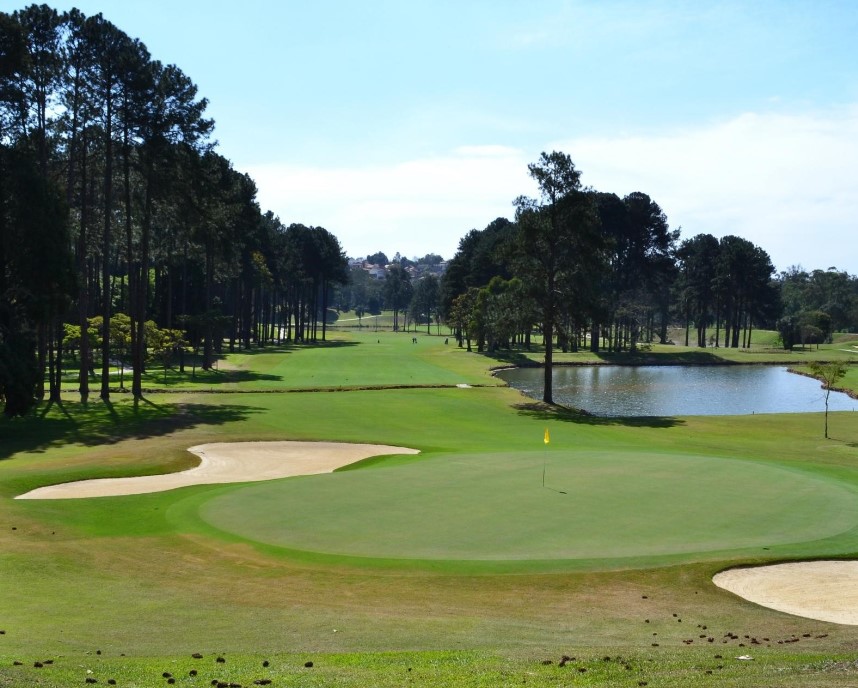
[291, 347]
[204, 377]
[555, 412]
[521, 358]
[697, 358]
[99, 422]
[155, 377]
[518, 359]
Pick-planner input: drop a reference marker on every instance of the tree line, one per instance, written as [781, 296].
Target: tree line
[591, 269]
[125, 235]
[116, 208]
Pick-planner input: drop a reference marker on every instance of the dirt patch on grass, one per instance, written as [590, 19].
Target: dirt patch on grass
[228, 462]
[821, 590]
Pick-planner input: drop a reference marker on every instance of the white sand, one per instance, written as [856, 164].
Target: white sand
[228, 462]
[821, 590]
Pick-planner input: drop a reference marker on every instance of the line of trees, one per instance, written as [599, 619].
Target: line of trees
[125, 235]
[588, 268]
[113, 200]
[816, 304]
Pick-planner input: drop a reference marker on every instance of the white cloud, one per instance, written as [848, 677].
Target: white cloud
[785, 182]
[414, 207]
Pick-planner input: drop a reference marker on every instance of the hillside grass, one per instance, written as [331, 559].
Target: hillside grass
[145, 581]
[363, 359]
[383, 358]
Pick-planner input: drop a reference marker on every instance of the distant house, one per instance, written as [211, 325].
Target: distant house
[415, 270]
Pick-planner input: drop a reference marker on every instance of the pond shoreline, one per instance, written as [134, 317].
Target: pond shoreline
[844, 390]
[667, 360]
[672, 389]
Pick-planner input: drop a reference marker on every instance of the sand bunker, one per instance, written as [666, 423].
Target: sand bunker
[821, 590]
[228, 462]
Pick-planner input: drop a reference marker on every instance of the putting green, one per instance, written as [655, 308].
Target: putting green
[493, 507]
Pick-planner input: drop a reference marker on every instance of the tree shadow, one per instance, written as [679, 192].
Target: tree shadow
[155, 380]
[697, 358]
[98, 423]
[555, 412]
[54, 404]
[292, 347]
[520, 358]
[176, 380]
[337, 344]
[511, 357]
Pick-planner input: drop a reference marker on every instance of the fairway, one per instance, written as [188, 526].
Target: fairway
[459, 546]
[493, 507]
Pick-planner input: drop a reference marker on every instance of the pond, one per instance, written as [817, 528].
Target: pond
[680, 390]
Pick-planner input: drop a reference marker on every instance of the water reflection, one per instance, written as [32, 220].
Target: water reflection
[680, 390]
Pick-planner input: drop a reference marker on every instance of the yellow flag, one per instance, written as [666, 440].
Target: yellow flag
[547, 437]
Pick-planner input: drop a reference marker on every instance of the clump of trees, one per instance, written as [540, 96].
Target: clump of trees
[728, 284]
[589, 268]
[113, 200]
[596, 269]
[117, 212]
[585, 268]
[816, 304]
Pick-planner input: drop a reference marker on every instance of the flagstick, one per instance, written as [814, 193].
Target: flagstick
[545, 439]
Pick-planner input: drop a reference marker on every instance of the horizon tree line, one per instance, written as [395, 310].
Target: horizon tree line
[113, 200]
[587, 268]
[124, 233]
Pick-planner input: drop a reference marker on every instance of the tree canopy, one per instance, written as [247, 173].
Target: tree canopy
[115, 204]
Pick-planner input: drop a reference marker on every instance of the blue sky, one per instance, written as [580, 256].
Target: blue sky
[399, 126]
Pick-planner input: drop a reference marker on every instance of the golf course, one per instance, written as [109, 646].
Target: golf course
[473, 537]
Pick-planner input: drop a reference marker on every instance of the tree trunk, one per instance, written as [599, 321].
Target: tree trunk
[42, 358]
[548, 338]
[57, 379]
[135, 329]
[83, 280]
[208, 348]
[142, 292]
[548, 341]
[105, 246]
[324, 308]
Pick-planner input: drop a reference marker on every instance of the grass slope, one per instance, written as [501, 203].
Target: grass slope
[146, 582]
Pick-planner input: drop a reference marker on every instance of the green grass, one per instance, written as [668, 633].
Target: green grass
[598, 509]
[369, 358]
[764, 349]
[374, 323]
[469, 669]
[363, 359]
[157, 577]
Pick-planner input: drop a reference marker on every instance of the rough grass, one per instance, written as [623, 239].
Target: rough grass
[138, 576]
[469, 669]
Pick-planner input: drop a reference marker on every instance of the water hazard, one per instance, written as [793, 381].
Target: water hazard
[680, 390]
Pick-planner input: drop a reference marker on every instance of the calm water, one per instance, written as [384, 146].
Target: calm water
[680, 390]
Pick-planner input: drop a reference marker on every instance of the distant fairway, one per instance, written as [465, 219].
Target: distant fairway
[599, 507]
